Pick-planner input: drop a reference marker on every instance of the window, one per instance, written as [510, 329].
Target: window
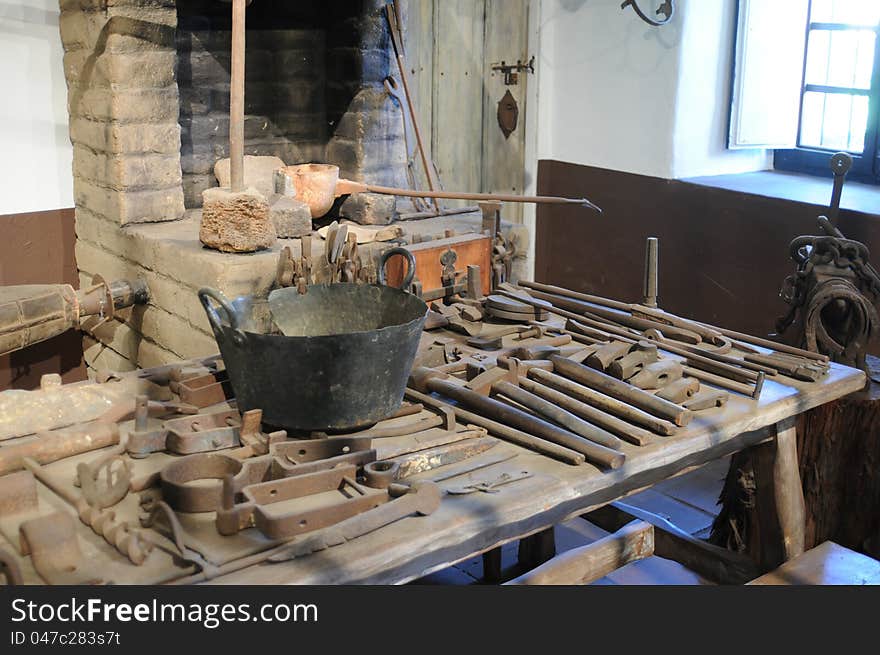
[807, 83]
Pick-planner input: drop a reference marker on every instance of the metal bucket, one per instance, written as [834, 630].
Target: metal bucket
[342, 362]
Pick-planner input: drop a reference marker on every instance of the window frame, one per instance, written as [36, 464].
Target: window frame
[814, 161]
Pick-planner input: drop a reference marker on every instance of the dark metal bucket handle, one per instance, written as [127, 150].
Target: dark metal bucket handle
[207, 294]
[411, 266]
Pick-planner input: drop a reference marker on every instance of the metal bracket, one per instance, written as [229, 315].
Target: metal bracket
[511, 71]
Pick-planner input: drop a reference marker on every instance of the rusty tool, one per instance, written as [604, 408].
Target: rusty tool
[652, 266]
[558, 415]
[382, 473]
[639, 355]
[680, 390]
[657, 374]
[51, 446]
[489, 485]
[422, 499]
[749, 390]
[708, 359]
[126, 538]
[603, 356]
[505, 432]
[707, 333]
[53, 546]
[603, 402]
[626, 431]
[707, 399]
[621, 390]
[257, 509]
[429, 380]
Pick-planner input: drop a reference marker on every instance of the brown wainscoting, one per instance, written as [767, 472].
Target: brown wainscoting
[38, 248]
[723, 253]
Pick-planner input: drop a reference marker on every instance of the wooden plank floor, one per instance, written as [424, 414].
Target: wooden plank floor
[689, 501]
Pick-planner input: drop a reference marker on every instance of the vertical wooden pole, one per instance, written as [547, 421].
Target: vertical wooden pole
[789, 492]
[236, 97]
[779, 498]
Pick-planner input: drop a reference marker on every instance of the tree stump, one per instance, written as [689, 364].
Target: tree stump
[839, 460]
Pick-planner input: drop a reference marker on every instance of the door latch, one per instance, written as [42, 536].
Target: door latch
[511, 71]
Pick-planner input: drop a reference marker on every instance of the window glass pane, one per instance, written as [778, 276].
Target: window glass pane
[856, 12]
[834, 121]
[840, 58]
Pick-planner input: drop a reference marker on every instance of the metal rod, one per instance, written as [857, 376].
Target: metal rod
[521, 420]
[500, 430]
[621, 428]
[621, 390]
[652, 248]
[603, 402]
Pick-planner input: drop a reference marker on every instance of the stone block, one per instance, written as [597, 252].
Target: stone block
[129, 138]
[126, 207]
[120, 27]
[369, 208]
[102, 359]
[291, 217]
[194, 186]
[123, 70]
[129, 106]
[259, 173]
[236, 221]
[123, 172]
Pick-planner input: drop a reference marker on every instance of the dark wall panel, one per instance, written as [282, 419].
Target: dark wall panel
[723, 254]
[38, 248]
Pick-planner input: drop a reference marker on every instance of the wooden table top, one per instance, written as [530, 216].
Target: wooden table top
[471, 524]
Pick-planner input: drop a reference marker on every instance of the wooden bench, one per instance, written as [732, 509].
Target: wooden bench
[826, 564]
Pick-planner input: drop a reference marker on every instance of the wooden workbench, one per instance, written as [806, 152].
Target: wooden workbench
[468, 525]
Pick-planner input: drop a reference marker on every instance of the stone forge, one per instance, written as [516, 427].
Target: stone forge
[148, 98]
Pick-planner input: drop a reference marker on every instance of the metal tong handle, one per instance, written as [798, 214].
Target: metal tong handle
[411, 266]
[206, 294]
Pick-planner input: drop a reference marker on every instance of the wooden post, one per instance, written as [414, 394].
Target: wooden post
[236, 97]
[788, 491]
[775, 526]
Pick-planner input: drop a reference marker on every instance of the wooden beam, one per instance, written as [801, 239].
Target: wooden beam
[671, 542]
[588, 563]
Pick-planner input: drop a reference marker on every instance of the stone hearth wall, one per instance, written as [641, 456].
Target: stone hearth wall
[314, 88]
[123, 106]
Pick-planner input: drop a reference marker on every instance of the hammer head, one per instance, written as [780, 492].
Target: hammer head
[420, 375]
[427, 495]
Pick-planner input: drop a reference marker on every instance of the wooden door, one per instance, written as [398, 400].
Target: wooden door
[451, 48]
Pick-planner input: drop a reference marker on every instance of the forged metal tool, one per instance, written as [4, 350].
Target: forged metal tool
[502, 431]
[603, 402]
[680, 390]
[621, 390]
[430, 380]
[490, 485]
[422, 499]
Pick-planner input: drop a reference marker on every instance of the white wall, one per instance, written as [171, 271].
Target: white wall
[35, 151]
[617, 93]
[703, 94]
